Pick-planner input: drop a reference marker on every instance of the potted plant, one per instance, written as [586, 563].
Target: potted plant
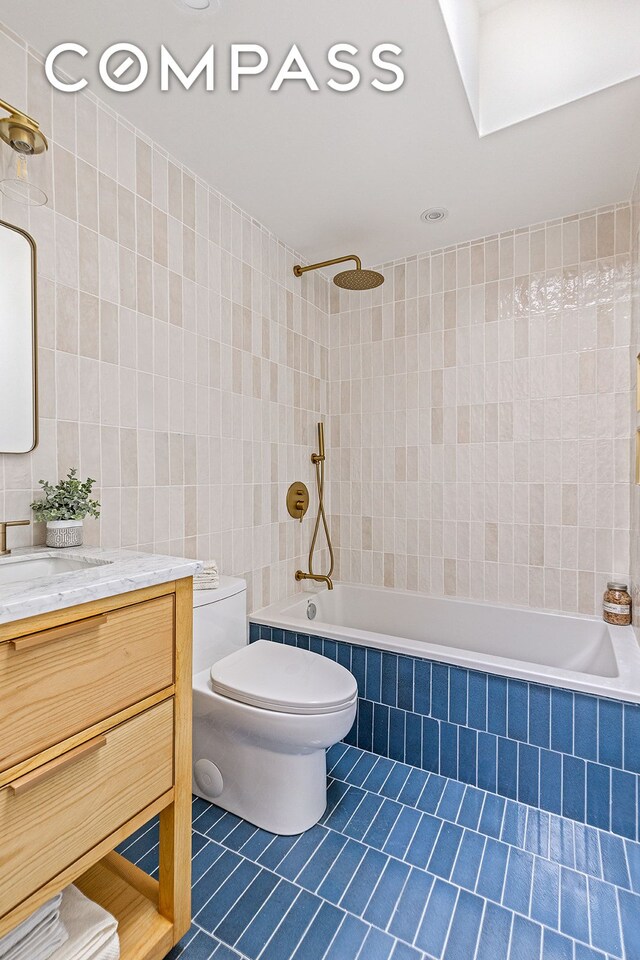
[63, 508]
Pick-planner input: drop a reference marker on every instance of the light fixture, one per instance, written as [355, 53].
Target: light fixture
[195, 4]
[23, 178]
[434, 214]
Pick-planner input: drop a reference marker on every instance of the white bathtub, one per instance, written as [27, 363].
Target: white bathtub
[578, 653]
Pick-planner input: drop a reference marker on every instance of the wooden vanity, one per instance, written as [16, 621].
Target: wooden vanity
[95, 740]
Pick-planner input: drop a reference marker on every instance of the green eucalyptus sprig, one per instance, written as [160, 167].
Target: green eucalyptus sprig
[68, 499]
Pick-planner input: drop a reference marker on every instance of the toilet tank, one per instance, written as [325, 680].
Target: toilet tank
[219, 622]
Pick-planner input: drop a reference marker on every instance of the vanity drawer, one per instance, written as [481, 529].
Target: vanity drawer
[58, 682]
[60, 811]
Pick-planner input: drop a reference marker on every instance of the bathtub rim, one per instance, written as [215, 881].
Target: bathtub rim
[626, 649]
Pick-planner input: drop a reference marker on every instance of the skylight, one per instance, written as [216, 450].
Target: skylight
[521, 58]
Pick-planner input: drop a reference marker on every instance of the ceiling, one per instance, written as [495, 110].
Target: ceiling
[331, 173]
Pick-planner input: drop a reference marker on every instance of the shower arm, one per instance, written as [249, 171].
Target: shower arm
[299, 270]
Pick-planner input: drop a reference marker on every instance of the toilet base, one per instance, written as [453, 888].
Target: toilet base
[283, 794]
[268, 768]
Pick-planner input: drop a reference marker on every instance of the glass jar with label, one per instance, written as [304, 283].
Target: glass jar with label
[616, 607]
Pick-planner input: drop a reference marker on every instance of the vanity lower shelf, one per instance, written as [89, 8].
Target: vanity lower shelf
[132, 898]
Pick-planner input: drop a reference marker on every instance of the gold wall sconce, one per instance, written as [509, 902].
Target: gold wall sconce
[297, 500]
[23, 177]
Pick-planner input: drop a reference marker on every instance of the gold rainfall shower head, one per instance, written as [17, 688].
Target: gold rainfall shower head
[357, 279]
[21, 132]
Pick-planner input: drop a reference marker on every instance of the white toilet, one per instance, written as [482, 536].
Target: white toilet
[264, 715]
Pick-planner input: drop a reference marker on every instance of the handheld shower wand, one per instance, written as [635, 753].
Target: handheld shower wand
[319, 457]
[319, 460]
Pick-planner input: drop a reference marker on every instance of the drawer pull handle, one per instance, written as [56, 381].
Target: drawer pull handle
[55, 766]
[59, 633]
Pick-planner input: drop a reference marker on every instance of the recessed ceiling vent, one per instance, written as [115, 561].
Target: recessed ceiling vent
[434, 215]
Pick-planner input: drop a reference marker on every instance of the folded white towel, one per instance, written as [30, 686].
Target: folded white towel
[91, 929]
[208, 578]
[43, 941]
[43, 916]
[110, 950]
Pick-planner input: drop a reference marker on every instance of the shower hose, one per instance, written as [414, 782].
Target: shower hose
[319, 465]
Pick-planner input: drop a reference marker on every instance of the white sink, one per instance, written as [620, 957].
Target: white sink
[25, 569]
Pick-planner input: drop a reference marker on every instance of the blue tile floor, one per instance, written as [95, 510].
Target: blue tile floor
[407, 865]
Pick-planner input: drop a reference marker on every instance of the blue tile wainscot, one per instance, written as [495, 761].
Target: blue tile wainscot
[564, 752]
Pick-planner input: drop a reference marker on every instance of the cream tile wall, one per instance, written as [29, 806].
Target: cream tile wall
[635, 414]
[479, 401]
[181, 363]
[480, 417]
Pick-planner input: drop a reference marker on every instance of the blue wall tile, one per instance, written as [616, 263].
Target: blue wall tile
[422, 686]
[586, 727]
[573, 754]
[573, 788]
[610, 733]
[396, 733]
[623, 804]
[365, 725]
[540, 715]
[599, 795]
[487, 762]
[439, 691]
[477, 700]
[467, 755]
[358, 668]
[528, 774]
[458, 696]
[405, 683]
[430, 744]
[632, 737]
[389, 679]
[507, 768]
[449, 750]
[413, 740]
[518, 710]
[562, 721]
[550, 781]
[373, 684]
[497, 705]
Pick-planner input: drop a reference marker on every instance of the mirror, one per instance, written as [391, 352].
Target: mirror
[18, 381]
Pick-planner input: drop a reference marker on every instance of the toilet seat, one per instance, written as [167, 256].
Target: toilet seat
[272, 676]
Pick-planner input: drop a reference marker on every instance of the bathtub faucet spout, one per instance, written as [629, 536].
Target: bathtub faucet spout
[300, 575]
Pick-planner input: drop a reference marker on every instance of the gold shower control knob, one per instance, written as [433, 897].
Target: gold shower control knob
[297, 500]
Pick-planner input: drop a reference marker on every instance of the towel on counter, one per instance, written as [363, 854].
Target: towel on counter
[208, 578]
[92, 931]
[37, 937]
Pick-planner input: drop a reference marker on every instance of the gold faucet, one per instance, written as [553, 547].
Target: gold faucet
[318, 577]
[3, 533]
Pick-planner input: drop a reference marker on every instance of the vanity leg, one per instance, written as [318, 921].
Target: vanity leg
[175, 820]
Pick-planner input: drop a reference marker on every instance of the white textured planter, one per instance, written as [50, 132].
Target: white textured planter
[64, 533]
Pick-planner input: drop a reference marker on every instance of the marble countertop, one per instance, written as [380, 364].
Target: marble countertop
[115, 571]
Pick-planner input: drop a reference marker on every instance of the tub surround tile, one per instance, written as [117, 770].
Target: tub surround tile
[462, 874]
[570, 754]
[487, 412]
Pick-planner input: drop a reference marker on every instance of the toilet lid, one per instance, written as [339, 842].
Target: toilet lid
[285, 679]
